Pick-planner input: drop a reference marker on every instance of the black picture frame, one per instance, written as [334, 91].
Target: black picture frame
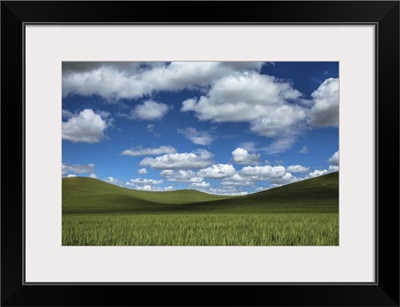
[383, 14]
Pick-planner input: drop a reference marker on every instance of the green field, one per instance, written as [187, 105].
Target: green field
[96, 213]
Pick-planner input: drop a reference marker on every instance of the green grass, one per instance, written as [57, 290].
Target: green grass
[304, 213]
[87, 195]
[201, 229]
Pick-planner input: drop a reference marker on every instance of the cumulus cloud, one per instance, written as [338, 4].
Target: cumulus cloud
[241, 97]
[71, 176]
[181, 176]
[197, 137]
[325, 111]
[115, 181]
[141, 181]
[263, 101]
[242, 156]
[149, 188]
[333, 168]
[199, 185]
[297, 169]
[334, 162]
[285, 179]
[279, 121]
[272, 107]
[142, 171]
[217, 171]
[149, 151]
[140, 187]
[150, 110]
[264, 172]
[135, 80]
[317, 173]
[77, 168]
[284, 124]
[93, 175]
[86, 127]
[236, 180]
[226, 190]
[197, 159]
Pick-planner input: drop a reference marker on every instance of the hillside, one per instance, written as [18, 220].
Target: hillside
[320, 194]
[82, 194]
[86, 195]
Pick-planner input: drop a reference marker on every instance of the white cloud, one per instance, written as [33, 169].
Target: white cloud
[71, 176]
[147, 187]
[114, 181]
[144, 188]
[264, 102]
[149, 151]
[304, 150]
[284, 124]
[150, 110]
[325, 111]
[242, 156]
[181, 176]
[199, 185]
[197, 137]
[217, 171]
[242, 97]
[227, 190]
[334, 162]
[261, 100]
[285, 179]
[87, 127]
[271, 174]
[144, 181]
[236, 180]
[77, 168]
[134, 80]
[317, 173]
[197, 159]
[333, 168]
[93, 175]
[281, 120]
[261, 173]
[297, 169]
[142, 171]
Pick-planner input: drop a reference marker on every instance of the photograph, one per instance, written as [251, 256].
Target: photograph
[200, 153]
[149, 153]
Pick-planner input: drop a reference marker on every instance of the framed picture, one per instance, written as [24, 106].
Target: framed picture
[175, 159]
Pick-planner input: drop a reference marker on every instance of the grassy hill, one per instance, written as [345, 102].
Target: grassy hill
[96, 213]
[86, 195]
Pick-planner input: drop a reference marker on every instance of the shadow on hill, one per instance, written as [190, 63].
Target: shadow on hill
[86, 195]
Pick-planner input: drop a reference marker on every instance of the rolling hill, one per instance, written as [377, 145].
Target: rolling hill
[87, 195]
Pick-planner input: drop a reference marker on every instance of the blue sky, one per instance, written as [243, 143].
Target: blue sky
[220, 127]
